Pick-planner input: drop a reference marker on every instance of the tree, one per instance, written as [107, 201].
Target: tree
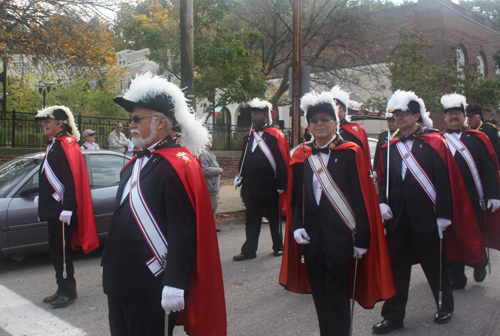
[487, 8]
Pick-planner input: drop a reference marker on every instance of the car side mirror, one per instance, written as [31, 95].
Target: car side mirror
[30, 191]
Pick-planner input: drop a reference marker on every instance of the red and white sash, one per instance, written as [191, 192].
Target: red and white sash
[417, 171]
[332, 191]
[454, 141]
[267, 152]
[147, 223]
[52, 178]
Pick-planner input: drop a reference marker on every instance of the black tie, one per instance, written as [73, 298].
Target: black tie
[49, 142]
[454, 131]
[142, 153]
[409, 137]
[325, 150]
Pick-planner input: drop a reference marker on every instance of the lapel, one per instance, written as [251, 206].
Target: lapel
[153, 161]
[308, 175]
[124, 180]
[333, 163]
[396, 163]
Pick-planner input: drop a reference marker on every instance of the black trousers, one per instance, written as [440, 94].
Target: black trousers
[330, 290]
[403, 244]
[255, 210]
[138, 318]
[65, 286]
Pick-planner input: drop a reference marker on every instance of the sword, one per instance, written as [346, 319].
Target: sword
[353, 292]
[302, 258]
[65, 273]
[440, 294]
[485, 223]
[244, 154]
[279, 217]
[387, 173]
[164, 264]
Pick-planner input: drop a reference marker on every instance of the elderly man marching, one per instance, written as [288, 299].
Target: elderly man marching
[341, 223]
[65, 201]
[348, 130]
[478, 166]
[161, 255]
[418, 209]
[264, 174]
[475, 121]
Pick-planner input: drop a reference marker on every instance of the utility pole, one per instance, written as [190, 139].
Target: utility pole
[187, 49]
[297, 50]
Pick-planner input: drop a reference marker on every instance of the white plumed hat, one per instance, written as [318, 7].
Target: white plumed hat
[313, 102]
[409, 101]
[257, 104]
[158, 94]
[454, 101]
[63, 114]
[341, 96]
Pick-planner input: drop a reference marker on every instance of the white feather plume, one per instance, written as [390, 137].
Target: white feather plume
[49, 113]
[453, 100]
[146, 86]
[400, 100]
[262, 104]
[341, 95]
[313, 99]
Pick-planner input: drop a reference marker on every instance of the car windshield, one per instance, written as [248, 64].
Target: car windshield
[13, 171]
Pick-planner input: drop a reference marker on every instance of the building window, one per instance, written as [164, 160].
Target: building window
[460, 59]
[480, 65]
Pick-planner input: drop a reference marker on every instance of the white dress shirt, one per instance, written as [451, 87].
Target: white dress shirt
[315, 183]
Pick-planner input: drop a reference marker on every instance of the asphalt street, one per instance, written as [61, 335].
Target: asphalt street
[256, 303]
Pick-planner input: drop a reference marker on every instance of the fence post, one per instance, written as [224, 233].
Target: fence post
[229, 137]
[13, 128]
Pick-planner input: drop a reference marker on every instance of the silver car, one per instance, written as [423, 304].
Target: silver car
[21, 232]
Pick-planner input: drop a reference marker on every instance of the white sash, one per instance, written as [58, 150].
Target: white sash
[267, 152]
[332, 191]
[51, 177]
[462, 149]
[417, 171]
[147, 223]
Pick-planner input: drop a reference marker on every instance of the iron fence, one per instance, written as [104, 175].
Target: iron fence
[20, 130]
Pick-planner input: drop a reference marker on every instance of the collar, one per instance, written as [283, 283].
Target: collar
[480, 125]
[344, 121]
[334, 142]
[412, 136]
[261, 129]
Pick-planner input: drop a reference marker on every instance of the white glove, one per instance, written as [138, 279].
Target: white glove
[279, 191]
[374, 174]
[301, 236]
[36, 201]
[385, 211]
[358, 252]
[65, 216]
[172, 299]
[493, 204]
[237, 181]
[442, 224]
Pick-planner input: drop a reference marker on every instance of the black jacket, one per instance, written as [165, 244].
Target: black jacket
[409, 194]
[323, 220]
[492, 132]
[125, 273]
[259, 179]
[382, 139]
[48, 207]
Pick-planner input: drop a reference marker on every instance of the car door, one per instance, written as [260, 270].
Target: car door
[104, 177]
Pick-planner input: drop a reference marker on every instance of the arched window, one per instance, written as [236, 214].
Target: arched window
[460, 59]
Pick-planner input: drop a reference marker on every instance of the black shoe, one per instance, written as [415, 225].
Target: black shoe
[386, 326]
[458, 284]
[242, 256]
[277, 253]
[479, 274]
[442, 317]
[63, 301]
[52, 298]
[217, 230]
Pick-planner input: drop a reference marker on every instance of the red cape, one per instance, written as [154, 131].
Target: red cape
[462, 241]
[360, 133]
[374, 279]
[205, 310]
[86, 233]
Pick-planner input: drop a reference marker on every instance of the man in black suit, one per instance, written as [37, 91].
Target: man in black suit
[329, 241]
[475, 121]
[382, 138]
[152, 243]
[64, 201]
[416, 216]
[473, 159]
[264, 175]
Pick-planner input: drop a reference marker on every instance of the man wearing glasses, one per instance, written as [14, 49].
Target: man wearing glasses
[476, 159]
[264, 174]
[117, 140]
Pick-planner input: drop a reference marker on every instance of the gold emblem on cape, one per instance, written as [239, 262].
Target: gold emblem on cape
[134, 184]
[69, 140]
[355, 128]
[183, 156]
[320, 170]
[406, 155]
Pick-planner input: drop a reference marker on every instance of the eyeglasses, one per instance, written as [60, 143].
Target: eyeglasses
[137, 118]
[324, 118]
[453, 112]
[401, 114]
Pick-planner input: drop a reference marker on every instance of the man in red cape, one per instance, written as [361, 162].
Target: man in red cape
[478, 165]
[65, 200]
[322, 236]
[348, 130]
[162, 254]
[264, 173]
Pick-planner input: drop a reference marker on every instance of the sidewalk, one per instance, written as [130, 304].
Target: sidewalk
[229, 198]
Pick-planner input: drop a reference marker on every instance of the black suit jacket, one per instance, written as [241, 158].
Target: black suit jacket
[48, 207]
[125, 273]
[492, 132]
[487, 169]
[258, 174]
[323, 220]
[409, 194]
[382, 139]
